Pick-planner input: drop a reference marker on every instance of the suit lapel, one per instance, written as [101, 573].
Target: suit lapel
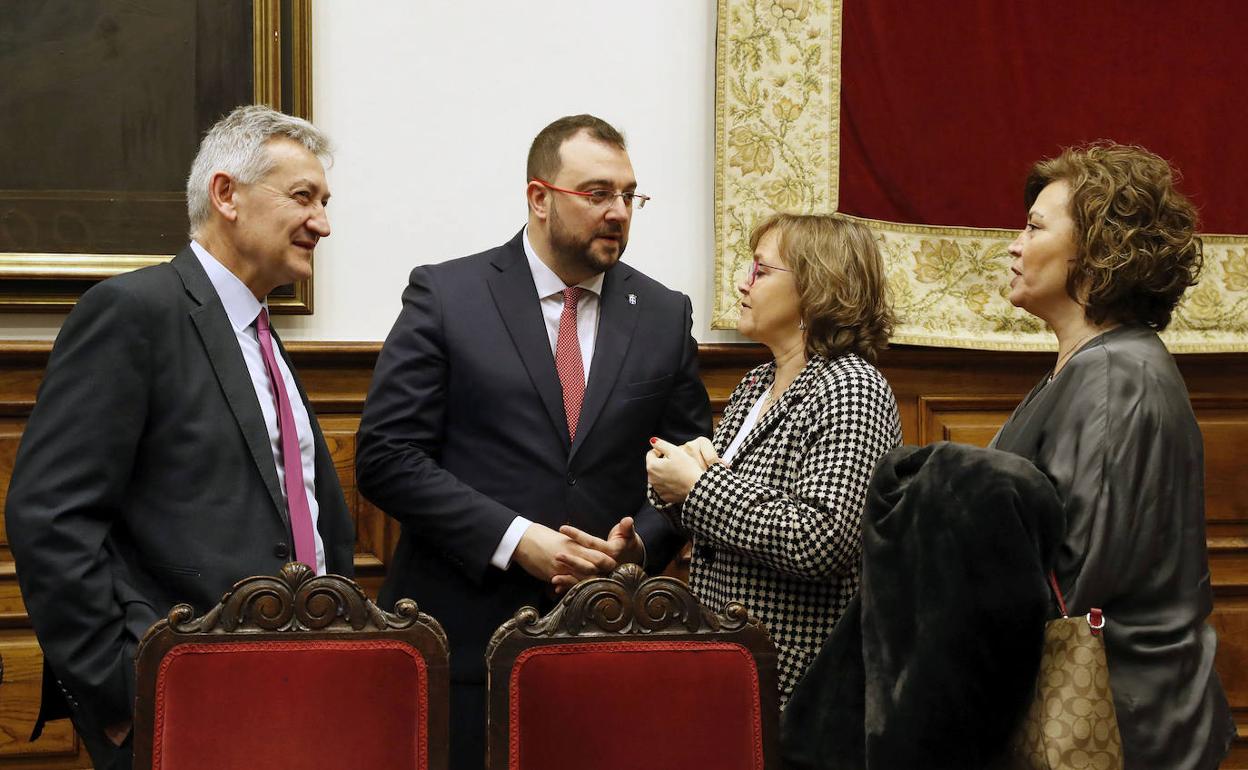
[793, 395]
[617, 318]
[518, 304]
[221, 346]
[735, 416]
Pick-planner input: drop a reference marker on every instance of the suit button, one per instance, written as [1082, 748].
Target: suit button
[571, 480]
[281, 551]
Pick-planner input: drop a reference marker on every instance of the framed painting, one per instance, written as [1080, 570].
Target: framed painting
[104, 104]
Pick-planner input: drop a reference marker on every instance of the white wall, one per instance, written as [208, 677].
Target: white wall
[432, 106]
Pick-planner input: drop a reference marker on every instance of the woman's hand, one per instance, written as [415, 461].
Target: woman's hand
[672, 470]
[702, 450]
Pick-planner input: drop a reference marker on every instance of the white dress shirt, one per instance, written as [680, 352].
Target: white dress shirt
[550, 292]
[747, 425]
[242, 308]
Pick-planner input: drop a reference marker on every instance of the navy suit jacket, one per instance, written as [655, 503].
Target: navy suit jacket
[464, 428]
[145, 478]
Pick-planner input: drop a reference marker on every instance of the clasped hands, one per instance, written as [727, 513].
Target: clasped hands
[673, 470]
[565, 557]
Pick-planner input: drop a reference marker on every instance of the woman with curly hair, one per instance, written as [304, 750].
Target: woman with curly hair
[1109, 248]
[774, 502]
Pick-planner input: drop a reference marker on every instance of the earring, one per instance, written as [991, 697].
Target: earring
[801, 324]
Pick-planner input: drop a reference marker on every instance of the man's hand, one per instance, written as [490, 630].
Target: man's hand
[118, 733]
[544, 553]
[623, 545]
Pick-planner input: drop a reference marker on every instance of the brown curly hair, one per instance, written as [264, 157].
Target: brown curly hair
[841, 288]
[1137, 249]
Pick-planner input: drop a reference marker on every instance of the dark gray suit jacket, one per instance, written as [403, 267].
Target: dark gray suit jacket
[464, 428]
[144, 479]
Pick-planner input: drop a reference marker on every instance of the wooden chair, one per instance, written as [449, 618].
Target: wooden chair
[293, 671]
[630, 672]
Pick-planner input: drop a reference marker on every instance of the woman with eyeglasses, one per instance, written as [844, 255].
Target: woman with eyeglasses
[774, 501]
[1109, 248]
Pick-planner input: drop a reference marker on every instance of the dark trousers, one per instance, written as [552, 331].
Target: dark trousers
[467, 726]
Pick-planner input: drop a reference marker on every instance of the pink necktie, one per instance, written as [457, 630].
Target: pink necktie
[292, 461]
[568, 360]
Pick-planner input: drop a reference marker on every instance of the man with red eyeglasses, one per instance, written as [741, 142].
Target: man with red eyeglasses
[517, 394]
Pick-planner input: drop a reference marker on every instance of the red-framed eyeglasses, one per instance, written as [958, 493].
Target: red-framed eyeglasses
[755, 265]
[601, 198]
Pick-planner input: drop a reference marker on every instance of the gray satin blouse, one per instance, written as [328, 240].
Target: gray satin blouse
[1115, 432]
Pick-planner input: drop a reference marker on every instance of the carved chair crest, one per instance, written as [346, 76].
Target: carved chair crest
[626, 603]
[296, 600]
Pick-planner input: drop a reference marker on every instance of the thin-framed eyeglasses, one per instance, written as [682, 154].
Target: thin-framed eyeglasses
[755, 265]
[601, 198]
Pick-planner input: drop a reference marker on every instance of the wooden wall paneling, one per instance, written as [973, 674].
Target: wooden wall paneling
[1230, 620]
[336, 377]
[1222, 412]
[722, 367]
[919, 375]
[1238, 758]
[12, 611]
[1228, 567]
[1224, 423]
[962, 419]
[58, 748]
[372, 547]
[955, 395]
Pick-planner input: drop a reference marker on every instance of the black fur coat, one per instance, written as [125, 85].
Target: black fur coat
[934, 662]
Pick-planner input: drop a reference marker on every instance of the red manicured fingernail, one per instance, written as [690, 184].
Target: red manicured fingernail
[653, 441]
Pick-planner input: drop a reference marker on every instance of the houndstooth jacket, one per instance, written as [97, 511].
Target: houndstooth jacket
[780, 531]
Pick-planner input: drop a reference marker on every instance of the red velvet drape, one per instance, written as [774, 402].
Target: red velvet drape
[945, 105]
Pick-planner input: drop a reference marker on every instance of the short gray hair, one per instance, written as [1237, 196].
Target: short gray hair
[236, 146]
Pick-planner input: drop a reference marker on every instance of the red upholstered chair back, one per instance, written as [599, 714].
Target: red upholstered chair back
[293, 671]
[627, 673]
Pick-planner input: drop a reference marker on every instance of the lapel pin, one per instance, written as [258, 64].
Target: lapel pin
[632, 299]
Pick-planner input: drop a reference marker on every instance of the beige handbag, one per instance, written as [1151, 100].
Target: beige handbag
[1071, 722]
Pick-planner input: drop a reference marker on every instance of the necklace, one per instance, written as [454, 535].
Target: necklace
[1074, 349]
[769, 399]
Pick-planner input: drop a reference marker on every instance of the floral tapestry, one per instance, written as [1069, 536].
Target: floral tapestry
[778, 94]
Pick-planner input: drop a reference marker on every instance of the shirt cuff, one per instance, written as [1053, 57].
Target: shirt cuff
[507, 546]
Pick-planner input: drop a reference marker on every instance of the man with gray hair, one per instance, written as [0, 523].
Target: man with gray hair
[171, 451]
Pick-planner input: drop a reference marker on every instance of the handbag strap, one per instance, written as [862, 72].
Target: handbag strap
[1061, 603]
[1096, 618]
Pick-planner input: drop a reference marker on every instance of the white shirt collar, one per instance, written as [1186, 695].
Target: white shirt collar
[241, 305]
[544, 278]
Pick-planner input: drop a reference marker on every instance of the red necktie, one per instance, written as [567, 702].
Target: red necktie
[292, 461]
[568, 360]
